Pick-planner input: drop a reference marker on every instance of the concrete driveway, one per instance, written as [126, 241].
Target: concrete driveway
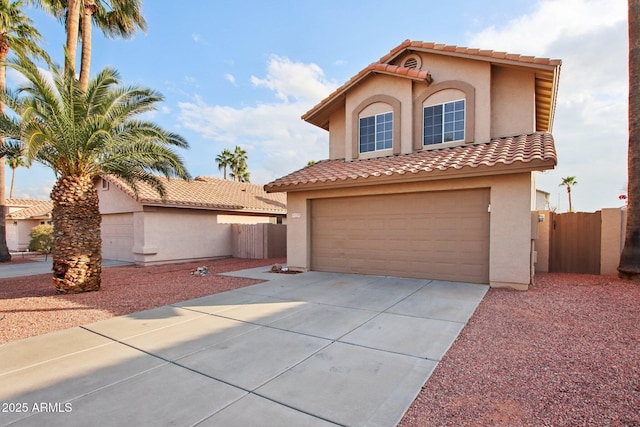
[312, 349]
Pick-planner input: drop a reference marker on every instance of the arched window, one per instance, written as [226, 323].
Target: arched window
[446, 118]
[376, 125]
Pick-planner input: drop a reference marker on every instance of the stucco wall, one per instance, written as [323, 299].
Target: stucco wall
[168, 235]
[512, 102]
[114, 200]
[542, 244]
[614, 223]
[337, 136]
[504, 102]
[510, 235]
[400, 89]
[19, 234]
[475, 73]
[245, 219]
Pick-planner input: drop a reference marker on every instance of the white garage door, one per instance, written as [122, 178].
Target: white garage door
[435, 235]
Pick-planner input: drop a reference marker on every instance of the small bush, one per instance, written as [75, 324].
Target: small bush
[41, 239]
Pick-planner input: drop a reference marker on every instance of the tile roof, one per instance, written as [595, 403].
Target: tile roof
[466, 51]
[208, 193]
[535, 151]
[547, 76]
[29, 208]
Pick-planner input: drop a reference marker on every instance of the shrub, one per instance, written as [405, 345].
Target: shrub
[41, 238]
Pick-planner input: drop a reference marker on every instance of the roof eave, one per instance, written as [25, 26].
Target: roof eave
[219, 208]
[319, 114]
[434, 175]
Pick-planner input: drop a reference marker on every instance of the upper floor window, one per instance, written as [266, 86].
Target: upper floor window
[444, 122]
[376, 132]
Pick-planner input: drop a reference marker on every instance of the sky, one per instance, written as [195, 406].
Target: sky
[243, 72]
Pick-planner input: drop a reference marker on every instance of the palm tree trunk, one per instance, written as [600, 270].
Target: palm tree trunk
[5, 256]
[13, 178]
[77, 246]
[88, 9]
[569, 193]
[73, 22]
[629, 267]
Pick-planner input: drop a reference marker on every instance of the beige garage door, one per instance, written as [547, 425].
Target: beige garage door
[434, 235]
[117, 237]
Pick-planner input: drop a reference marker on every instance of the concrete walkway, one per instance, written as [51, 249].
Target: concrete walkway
[42, 266]
[312, 349]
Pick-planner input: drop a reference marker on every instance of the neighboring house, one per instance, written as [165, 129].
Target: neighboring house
[193, 222]
[24, 214]
[432, 151]
[542, 201]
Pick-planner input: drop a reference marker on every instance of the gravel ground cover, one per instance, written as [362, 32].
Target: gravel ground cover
[564, 353]
[29, 305]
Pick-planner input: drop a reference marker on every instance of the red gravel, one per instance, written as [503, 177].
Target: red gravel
[565, 353]
[30, 306]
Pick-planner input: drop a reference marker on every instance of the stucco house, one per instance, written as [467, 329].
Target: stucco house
[432, 154]
[193, 222]
[22, 216]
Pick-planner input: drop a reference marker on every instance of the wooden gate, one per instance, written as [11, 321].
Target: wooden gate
[575, 243]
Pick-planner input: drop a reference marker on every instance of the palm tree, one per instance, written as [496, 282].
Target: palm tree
[242, 175]
[18, 33]
[224, 160]
[239, 168]
[81, 135]
[115, 18]
[15, 159]
[629, 267]
[569, 182]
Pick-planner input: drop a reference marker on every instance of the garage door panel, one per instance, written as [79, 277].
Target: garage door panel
[438, 235]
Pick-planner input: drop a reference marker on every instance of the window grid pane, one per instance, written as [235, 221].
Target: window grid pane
[384, 134]
[454, 121]
[376, 132]
[444, 123]
[433, 125]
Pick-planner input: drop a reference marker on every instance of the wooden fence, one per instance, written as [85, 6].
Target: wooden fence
[575, 242]
[259, 241]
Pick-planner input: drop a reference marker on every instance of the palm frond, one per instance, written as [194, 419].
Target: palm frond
[93, 132]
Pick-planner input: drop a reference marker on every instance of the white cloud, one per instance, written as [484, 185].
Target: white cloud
[301, 82]
[276, 139]
[16, 79]
[196, 38]
[590, 128]
[231, 79]
[551, 21]
[191, 80]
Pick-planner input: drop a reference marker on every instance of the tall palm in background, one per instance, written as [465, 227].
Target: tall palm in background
[80, 135]
[115, 18]
[17, 33]
[224, 161]
[629, 267]
[239, 167]
[15, 159]
[569, 182]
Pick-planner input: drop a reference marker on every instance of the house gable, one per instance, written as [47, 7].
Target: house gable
[497, 94]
